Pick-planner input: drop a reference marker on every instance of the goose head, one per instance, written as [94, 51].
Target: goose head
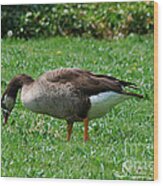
[7, 104]
[10, 94]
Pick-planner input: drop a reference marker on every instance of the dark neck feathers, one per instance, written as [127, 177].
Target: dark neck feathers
[17, 83]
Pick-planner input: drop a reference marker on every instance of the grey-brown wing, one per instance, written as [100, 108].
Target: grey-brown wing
[85, 81]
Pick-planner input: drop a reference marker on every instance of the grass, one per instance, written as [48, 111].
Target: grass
[121, 143]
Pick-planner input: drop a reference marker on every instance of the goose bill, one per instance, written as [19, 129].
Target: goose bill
[6, 115]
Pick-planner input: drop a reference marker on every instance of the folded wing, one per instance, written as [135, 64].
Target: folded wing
[89, 83]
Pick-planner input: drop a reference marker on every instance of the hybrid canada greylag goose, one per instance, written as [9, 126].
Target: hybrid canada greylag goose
[71, 94]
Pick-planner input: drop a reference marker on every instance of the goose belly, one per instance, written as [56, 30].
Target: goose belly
[103, 102]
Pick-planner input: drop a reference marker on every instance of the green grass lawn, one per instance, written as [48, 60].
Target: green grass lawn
[121, 143]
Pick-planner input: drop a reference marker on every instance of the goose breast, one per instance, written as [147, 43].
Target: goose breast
[58, 100]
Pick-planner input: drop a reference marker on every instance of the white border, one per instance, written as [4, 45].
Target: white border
[59, 182]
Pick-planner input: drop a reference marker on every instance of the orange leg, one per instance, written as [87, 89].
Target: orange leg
[86, 137]
[69, 131]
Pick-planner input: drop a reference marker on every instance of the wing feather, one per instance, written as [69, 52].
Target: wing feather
[87, 82]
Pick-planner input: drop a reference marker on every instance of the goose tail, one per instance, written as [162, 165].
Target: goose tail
[132, 86]
[133, 94]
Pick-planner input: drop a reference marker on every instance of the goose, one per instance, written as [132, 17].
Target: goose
[71, 94]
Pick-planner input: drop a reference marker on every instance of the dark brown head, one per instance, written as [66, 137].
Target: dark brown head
[9, 97]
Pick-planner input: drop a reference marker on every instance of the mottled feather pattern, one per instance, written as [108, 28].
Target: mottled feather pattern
[86, 81]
